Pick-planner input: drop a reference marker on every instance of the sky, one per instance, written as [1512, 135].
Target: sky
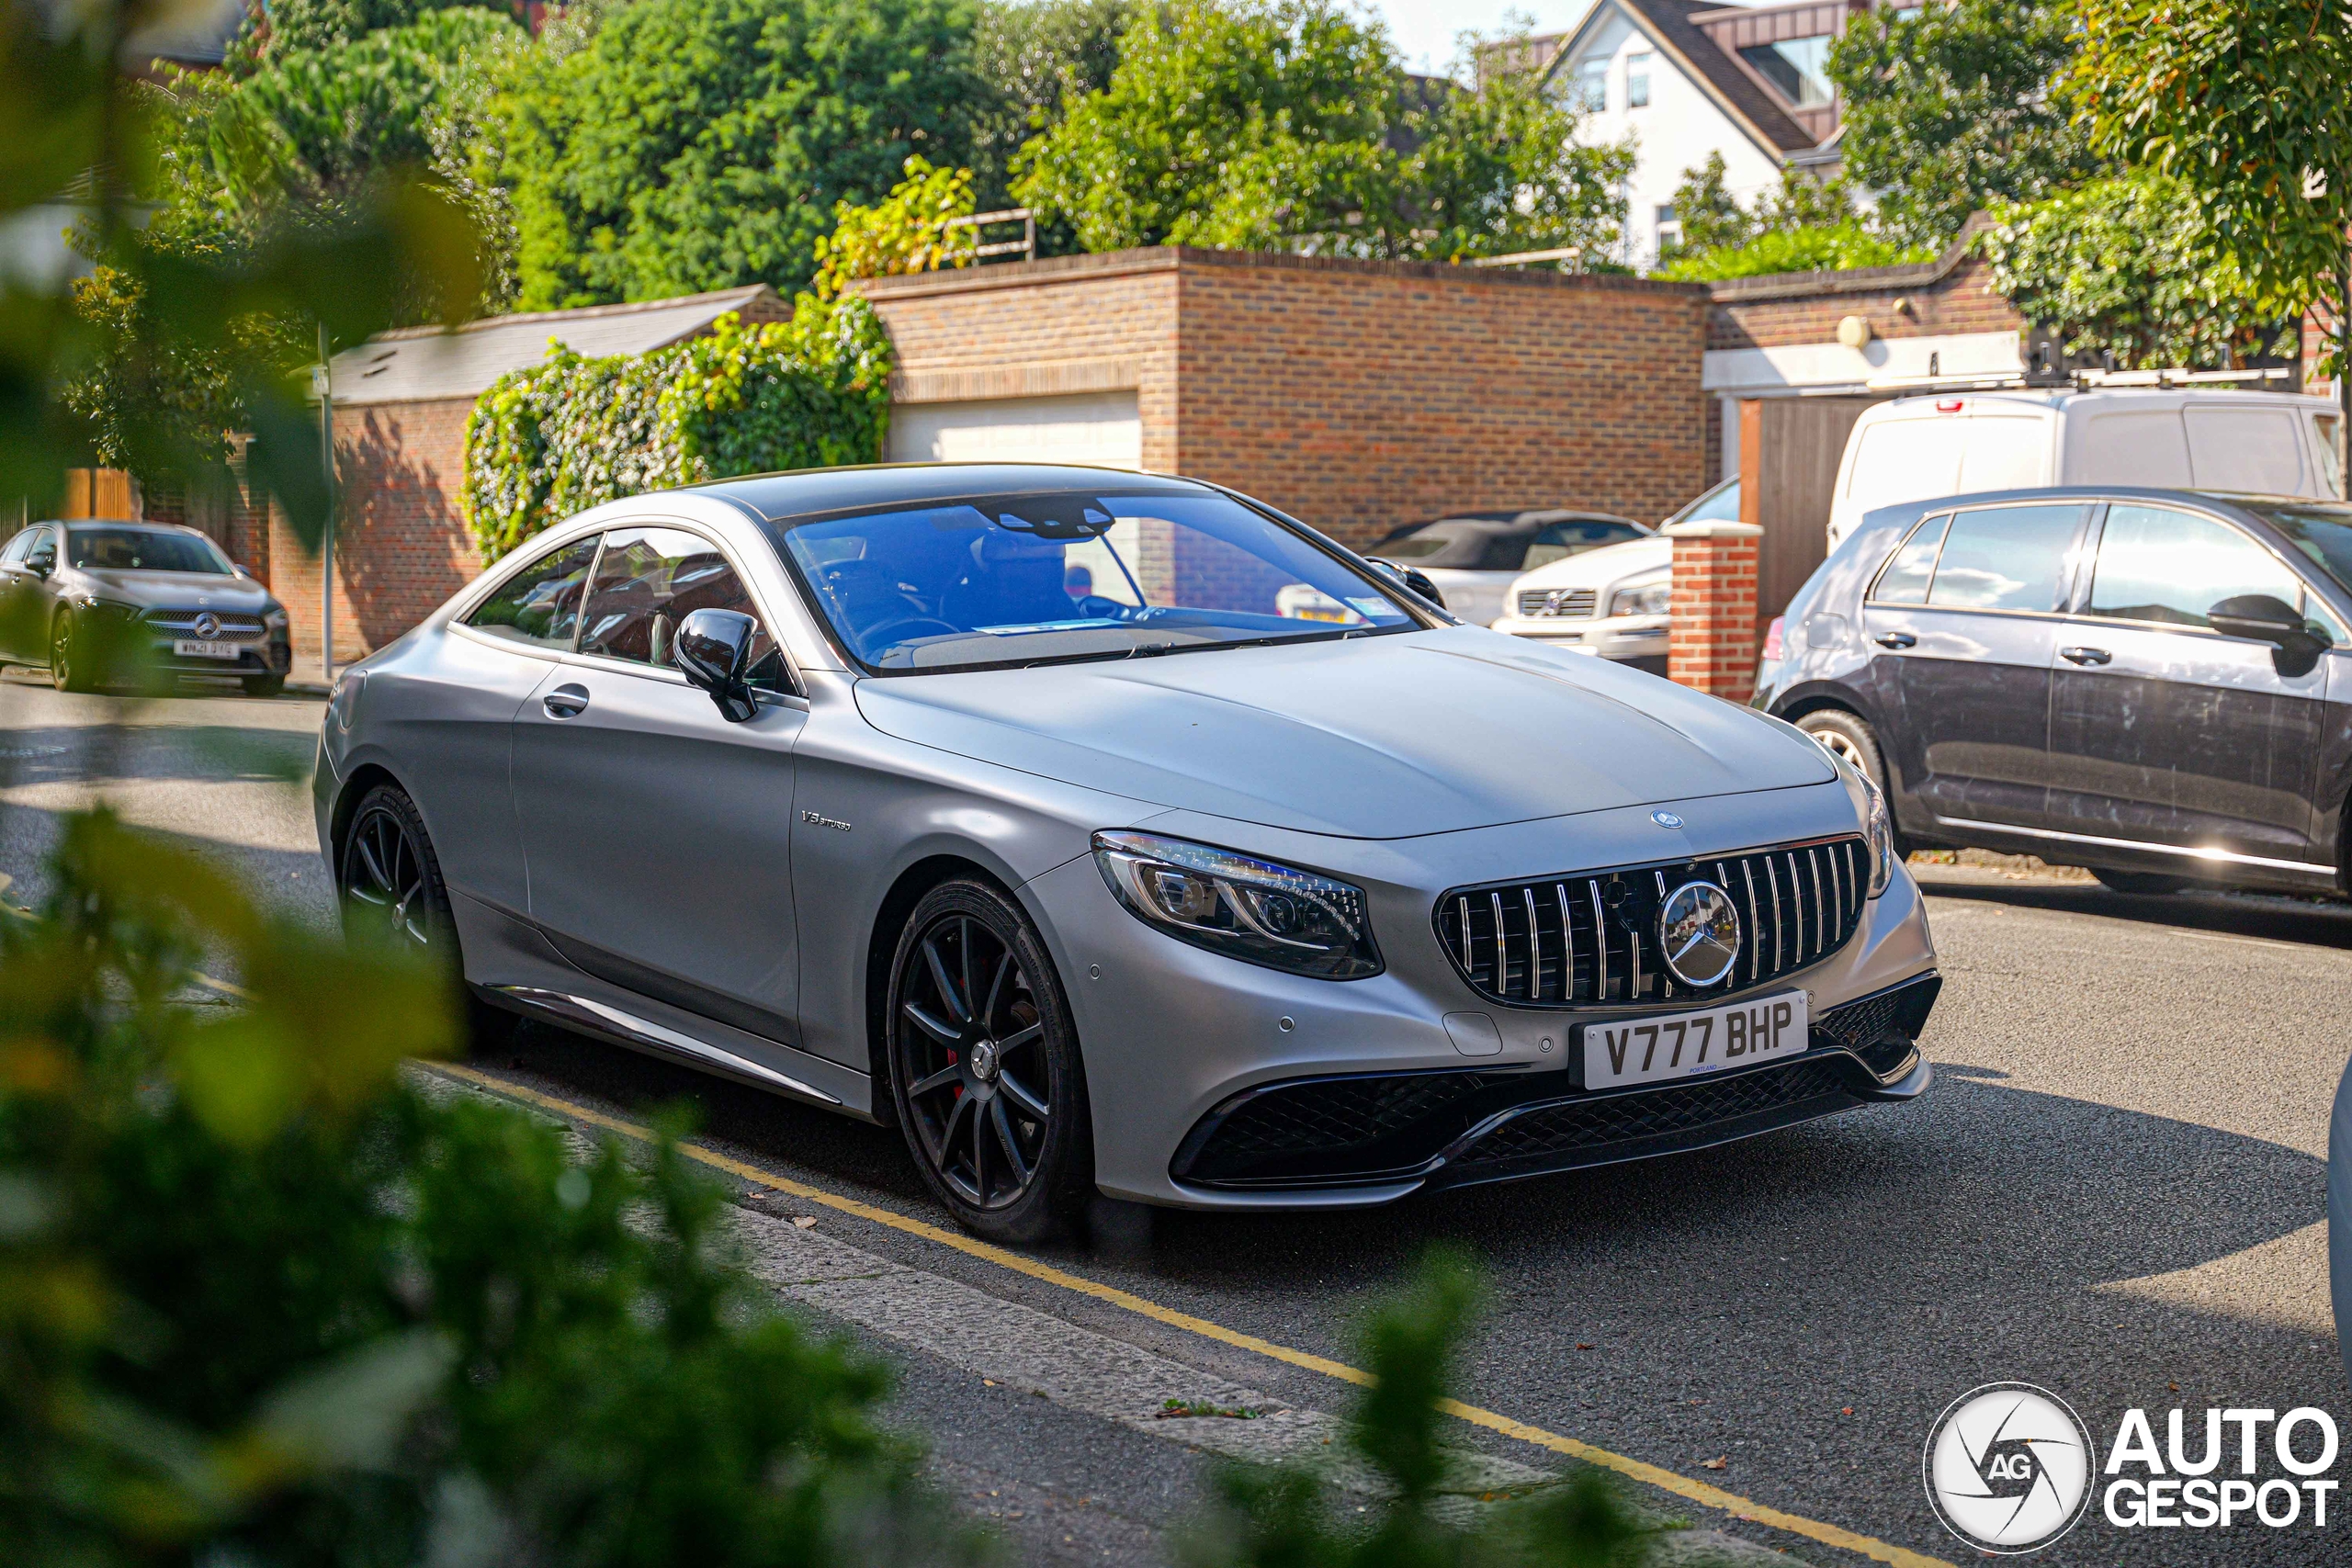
[1425, 29]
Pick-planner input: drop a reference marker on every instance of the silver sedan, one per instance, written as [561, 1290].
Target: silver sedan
[1003, 805]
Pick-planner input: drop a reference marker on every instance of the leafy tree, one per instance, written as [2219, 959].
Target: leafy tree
[1711, 218]
[1034, 57]
[2243, 101]
[1811, 248]
[701, 144]
[320, 24]
[1952, 106]
[908, 231]
[1281, 1518]
[2128, 266]
[1288, 124]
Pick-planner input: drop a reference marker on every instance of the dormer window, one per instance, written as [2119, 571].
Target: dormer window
[1592, 84]
[1798, 68]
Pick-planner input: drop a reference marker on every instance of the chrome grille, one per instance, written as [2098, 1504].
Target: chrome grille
[1567, 604]
[234, 627]
[1592, 936]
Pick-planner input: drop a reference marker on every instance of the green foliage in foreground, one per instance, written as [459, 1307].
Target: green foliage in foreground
[1812, 248]
[263, 1303]
[2131, 266]
[557, 438]
[1282, 1516]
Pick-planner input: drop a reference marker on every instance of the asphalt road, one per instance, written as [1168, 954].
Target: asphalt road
[2115, 1190]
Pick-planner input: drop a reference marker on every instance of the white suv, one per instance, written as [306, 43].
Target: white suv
[1614, 603]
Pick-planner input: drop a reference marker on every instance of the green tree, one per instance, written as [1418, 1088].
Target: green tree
[916, 228]
[1288, 124]
[1034, 57]
[1710, 217]
[701, 144]
[319, 25]
[1835, 247]
[2245, 103]
[1951, 107]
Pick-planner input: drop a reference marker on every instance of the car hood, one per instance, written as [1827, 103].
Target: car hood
[1374, 738]
[177, 590]
[1595, 569]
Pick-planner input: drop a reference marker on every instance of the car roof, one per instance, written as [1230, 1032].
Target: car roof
[1507, 522]
[2235, 501]
[139, 522]
[818, 490]
[2060, 397]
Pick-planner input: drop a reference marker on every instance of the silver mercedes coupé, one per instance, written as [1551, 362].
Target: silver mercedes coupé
[1111, 833]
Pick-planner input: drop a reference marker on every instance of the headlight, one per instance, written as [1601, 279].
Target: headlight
[1653, 599]
[274, 618]
[1250, 910]
[1881, 829]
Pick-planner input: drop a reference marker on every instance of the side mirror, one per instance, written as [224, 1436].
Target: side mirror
[711, 648]
[41, 566]
[1411, 578]
[2261, 618]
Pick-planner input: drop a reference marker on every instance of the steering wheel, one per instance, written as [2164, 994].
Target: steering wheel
[877, 631]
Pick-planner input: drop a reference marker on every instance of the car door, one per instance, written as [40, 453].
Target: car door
[2164, 731]
[1964, 619]
[20, 599]
[657, 834]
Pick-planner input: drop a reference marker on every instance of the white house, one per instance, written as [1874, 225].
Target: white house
[1685, 78]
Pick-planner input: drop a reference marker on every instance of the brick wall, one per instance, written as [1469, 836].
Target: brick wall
[1356, 395]
[1362, 395]
[1949, 295]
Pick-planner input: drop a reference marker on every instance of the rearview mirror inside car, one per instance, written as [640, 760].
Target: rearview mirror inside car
[711, 649]
[2263, 617]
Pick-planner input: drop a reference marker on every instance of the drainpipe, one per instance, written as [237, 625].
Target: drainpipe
[326, 544]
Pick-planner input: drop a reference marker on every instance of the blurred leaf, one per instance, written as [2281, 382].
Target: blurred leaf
[351, 1413]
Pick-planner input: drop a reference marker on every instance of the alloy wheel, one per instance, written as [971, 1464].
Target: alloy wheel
[1840, 745]
[970, 1044]
[61, 653]
[383, 877]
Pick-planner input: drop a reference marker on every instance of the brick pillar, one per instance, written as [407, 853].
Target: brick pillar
[1713, 649]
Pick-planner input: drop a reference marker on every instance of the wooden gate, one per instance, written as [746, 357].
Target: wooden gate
[1789, 451]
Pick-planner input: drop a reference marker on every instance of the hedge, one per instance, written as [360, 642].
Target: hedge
[565, 434]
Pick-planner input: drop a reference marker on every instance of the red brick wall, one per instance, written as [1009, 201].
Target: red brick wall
[401, 547]
[1359, 396]
[1903, 302]
[1712, 645]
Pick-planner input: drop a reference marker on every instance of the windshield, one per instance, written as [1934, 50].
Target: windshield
[1032, 579]
[143, 550]
[2324, 535]
[1720, 505]
[1465, 544]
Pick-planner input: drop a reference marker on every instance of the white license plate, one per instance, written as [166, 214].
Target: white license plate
[188, 647]
[1677, 1045]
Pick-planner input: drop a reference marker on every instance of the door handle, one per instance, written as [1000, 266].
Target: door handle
[1896, 639]
[2085, 655]
[565, 702]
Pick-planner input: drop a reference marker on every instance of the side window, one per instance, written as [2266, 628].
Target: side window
[540, 604]
[1906, 578]
[16, 547]
[648, 581]
[2155, 564]
[2005, 557]
[42, 551]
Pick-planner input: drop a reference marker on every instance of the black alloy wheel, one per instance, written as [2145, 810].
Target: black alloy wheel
[393, 890]
[67, 667]
[984, 1066]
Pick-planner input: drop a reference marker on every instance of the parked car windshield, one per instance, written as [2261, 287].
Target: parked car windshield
[1720, 505]
[143, 550]
[2322, 533]
[1043, 578]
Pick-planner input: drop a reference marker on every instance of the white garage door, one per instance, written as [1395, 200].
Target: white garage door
[1090, 427]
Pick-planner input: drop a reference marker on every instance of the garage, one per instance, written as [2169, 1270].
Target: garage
[1103, 428]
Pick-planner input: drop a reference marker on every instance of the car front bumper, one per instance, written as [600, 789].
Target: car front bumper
[1217, 1084]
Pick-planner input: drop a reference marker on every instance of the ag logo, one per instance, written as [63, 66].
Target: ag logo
[2009, 1467]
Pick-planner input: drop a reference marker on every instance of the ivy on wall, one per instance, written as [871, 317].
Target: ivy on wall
[557, 438]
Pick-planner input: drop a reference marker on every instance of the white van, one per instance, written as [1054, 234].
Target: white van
[1958, 443]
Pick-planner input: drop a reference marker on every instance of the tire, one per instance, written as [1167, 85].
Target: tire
[388, 880]
[264, 685]
[984, 1067]
[2152, 884]
[68, 656]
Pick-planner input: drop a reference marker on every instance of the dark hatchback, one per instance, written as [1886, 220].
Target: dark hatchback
[2153, 684]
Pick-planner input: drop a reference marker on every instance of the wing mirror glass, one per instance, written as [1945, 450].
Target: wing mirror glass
[1411, 578]
[711, 648]
[40, 563]
[2263, 617]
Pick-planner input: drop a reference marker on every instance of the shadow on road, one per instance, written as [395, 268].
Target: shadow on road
[2237, 914]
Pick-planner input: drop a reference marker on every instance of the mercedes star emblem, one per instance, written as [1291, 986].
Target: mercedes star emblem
[206, 625]
[1699, 930]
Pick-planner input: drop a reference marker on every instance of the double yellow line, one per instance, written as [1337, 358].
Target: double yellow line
[1681, 1486]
